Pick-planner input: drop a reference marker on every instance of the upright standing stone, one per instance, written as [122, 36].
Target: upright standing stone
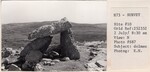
[51, 29]
[40, 44]
[34, 56]
[37, 44]
[31, 60]
[68, 49]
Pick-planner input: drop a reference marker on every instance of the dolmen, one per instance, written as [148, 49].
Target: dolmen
[41, 38]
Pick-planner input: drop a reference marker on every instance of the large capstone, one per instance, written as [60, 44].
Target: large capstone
[51, 29]
[68, 49]
[40, 44]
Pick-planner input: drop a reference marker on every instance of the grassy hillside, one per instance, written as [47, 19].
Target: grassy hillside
[15, 35]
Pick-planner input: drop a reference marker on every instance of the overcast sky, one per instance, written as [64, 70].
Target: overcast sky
[36, 11]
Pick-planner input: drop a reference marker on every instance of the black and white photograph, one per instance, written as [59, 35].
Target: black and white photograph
[54, 35]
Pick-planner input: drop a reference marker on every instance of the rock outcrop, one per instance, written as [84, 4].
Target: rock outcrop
[97, 61]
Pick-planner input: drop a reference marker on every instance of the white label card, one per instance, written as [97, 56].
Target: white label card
[130, 40]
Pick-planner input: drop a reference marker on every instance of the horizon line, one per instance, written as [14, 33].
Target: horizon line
[50, 21]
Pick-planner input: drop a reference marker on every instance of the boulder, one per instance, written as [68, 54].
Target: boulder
[31, 59]
[53, 55]
[47, 63]
[52, 63]
[65, 59]
[8, 61]
[38, 67]
[56, 60]
[13, 53]
[90, 65]
[40, 44]
[34, 56]
[5, 61]
[6, 52]
[68, 49]
[3, 67]
[100, 56]
[93, 53]
[51, 29]
[28, 66]
[100, 63]
[14, 67]
[46, 60]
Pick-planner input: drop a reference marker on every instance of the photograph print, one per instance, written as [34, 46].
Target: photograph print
[54, 35]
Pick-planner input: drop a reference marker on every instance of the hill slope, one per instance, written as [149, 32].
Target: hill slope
[15, 35]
